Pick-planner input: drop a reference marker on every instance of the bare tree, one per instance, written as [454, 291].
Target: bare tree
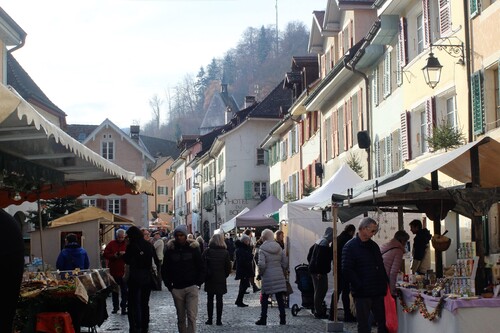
[155, 102]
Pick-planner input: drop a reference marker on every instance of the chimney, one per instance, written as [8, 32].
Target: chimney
[228, 114]
[134, 132]
[223, 88]
[249, 101]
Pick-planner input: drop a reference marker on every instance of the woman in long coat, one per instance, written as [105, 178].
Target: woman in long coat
[139, 256]
[272, 264]
[244, 270]
[218, 264]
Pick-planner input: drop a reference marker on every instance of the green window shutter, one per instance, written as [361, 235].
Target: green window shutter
[477, 103]
[474, 8]
[248, 190]
[498, 82]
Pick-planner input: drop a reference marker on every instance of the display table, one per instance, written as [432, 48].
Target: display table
[456, 315]
[84, 300]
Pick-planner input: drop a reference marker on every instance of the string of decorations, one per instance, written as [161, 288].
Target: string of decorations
[419, 304]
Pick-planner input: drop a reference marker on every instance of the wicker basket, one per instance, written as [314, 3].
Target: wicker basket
[440, 242]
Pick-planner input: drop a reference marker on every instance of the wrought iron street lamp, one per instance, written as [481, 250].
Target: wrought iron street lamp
[432, 69]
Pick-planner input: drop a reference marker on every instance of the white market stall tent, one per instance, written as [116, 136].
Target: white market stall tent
[305, 226]
[231, 224]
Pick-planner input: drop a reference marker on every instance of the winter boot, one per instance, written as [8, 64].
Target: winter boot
[282, 319]
[239, 300]
[219, 313]
[262, 321]
[210, 312]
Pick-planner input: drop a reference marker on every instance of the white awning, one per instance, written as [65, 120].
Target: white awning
[29, 140]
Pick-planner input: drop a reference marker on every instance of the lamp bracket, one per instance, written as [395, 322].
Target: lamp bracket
[454, 50]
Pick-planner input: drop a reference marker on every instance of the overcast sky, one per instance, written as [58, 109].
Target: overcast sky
[98, 59]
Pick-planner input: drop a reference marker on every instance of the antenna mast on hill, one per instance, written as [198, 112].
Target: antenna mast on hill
[277, 28]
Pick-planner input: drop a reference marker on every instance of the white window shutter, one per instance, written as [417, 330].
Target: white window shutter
[445, 23]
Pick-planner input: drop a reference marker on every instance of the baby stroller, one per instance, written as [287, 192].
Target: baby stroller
[305, 285]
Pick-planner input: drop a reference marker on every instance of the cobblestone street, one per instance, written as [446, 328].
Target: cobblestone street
[234, 319]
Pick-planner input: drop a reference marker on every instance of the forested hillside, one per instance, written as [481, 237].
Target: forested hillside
[254, 67]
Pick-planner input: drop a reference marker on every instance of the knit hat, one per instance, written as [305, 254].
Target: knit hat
[182, 229]
[244, 238]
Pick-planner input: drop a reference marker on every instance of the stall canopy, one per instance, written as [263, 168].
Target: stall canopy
[258, 216]
[412, 189]
[305, 226]
[231, 224]
[40, 161]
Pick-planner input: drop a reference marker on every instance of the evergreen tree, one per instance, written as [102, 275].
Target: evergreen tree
[53, 209]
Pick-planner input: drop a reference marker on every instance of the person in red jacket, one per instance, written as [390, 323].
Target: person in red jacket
[113, 253]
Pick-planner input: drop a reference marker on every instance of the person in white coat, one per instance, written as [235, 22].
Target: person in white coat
[272, 264]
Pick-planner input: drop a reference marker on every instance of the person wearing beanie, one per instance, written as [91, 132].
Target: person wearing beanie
[183, 272]
[244, 269]
[320, 259]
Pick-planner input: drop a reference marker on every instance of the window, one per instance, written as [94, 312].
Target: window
[107, 148]
[284, 149]
[451, 112]
[496, 72]
[396, 150]
[355, 118]
[293, 187]
[220, 162]
[82, 137]
[420, 33]
[114, 206]
[276, 189]
[293, 141]
[260, 156]
[387, 73]
[260, 188]
[89, 202]
[162, 190]
[375, 100]
[341, 129]
[162, 208]
[328, 139]
[423, 132]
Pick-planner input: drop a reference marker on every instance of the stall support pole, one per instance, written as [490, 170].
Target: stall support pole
[336, 326]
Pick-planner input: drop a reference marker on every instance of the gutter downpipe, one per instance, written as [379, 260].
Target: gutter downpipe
[367, 103]
[468, 60]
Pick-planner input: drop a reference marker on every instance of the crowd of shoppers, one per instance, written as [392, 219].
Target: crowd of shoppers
[186, 262]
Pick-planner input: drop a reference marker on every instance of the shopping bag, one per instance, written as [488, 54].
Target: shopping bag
[391, 314]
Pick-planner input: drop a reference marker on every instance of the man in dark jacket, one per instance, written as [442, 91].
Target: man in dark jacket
[12, 259]
[320, 258]
[183, 272]
[72, 256]
[363, 269]
[421, 253]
